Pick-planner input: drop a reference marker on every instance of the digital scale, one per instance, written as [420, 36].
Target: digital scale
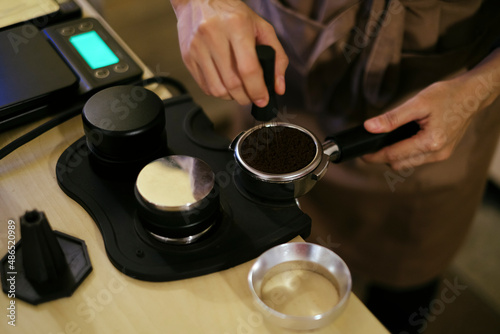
[46, 68]
[92, 53]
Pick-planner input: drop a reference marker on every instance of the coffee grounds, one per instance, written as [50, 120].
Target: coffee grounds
[278, 149]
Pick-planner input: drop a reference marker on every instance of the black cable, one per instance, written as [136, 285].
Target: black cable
[61, 118]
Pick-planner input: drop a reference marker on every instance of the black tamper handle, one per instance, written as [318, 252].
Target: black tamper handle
[267, 56]
[358, 141]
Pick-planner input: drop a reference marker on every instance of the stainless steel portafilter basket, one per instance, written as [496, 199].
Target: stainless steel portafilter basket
[300, 286]
[257, 142]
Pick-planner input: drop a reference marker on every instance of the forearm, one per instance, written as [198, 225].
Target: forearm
[480, 86]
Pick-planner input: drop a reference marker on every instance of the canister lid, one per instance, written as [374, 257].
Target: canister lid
[123, 122]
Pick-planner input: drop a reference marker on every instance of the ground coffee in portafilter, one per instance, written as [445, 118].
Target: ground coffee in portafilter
[278, 149]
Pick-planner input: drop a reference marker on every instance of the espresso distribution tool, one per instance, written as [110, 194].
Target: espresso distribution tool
[126, 129]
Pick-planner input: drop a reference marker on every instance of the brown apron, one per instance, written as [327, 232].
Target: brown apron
[350, 60]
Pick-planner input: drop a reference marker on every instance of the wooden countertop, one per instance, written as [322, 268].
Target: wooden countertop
[108, 301]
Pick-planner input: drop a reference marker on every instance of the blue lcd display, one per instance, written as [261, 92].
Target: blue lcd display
[93, 50]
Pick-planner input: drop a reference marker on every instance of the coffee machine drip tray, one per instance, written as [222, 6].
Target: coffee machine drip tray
[241, 227]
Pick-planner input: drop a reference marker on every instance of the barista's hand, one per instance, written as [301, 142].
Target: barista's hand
[217, 41]
[443, 110]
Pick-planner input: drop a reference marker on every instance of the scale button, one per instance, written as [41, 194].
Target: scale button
[101, 73]
[67, 31]
[121, 68]
[85, 26]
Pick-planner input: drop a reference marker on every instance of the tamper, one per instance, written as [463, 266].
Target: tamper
[267, 56]
[178, 202]
[47, 264]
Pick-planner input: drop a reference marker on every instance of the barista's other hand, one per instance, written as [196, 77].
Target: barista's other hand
[443, 111]
[217, 41]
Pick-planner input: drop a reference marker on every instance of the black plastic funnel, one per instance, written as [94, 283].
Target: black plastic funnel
[47, 264]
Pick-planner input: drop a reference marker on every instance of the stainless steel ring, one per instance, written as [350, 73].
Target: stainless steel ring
[309, 258]
[181, 241]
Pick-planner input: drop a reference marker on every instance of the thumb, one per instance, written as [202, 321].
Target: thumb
[390, 120]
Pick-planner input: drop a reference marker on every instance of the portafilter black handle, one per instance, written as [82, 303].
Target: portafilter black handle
[358, 141]
[267, 56]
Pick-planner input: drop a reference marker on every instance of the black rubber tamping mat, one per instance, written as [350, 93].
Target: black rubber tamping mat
[246, 227]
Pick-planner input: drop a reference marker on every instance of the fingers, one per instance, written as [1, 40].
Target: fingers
[281, 66]
[225, 68]
[425, 147]
[399, 154]
[213, 86]
[218, 47]
[248, 68]
[213, 71]
[436, 139]
[206, 75]
[393, 119]
[236, 84]
[267, 36]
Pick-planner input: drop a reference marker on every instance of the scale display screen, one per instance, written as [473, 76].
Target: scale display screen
[93, 50]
